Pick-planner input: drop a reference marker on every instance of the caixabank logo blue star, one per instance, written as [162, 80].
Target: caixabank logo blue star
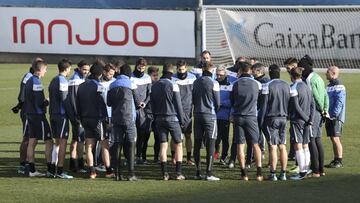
[236, 31]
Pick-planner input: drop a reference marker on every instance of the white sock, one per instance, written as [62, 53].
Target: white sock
[307, 158]
[300, 157]
[55, 154]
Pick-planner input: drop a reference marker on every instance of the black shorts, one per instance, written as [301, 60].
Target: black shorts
[125, 133]
[59, 127]
[299, 132]
[333, 128]
[163, 129]
[78, 132]
[205, 128]
[316, 127]
[25, 125]
[94, 129]
[187, 129]
[39, 127]
[155, 132]
[275, 130]
[246, 128]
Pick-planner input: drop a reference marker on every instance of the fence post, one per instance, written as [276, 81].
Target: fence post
[198, 30]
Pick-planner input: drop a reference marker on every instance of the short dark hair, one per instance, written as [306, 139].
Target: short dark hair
[152, 69]
[109, 67]
[38, 65]
[180, 63]
[83, 63]
[205, 52]
[207, 65]
[274, 71]
[141, 61]
[290, 61]
[37, 59]
[97, 67]
[125, 70]
[168, 67]
[296, 72]
[64, 64]
[244, 67]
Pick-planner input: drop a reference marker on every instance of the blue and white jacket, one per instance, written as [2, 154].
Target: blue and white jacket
[225, 103]
[232, 74]
[337, 100]
[34, 100]
[121, 99]
[58, 92]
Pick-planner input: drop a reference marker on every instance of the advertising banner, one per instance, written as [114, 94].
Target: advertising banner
[153, 33]
[322, 35]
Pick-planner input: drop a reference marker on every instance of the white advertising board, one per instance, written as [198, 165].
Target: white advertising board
[322, 35]
[153, 33]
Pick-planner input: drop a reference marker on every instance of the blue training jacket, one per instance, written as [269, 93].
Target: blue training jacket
[225, 103]
[337, 99]
[232, 74]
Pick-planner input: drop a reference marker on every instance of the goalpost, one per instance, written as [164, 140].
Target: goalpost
[329, 34]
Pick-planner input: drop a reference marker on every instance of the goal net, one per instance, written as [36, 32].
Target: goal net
[330, 35]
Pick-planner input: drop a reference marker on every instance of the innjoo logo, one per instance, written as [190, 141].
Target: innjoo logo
[121, 25]
[112, 32]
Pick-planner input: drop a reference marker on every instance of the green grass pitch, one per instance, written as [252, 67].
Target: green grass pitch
[339, 185]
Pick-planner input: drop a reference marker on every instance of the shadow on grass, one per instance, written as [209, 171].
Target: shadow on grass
[338, 186]
[150, 171]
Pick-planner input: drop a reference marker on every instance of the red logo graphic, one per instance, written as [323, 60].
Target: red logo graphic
[136, 37]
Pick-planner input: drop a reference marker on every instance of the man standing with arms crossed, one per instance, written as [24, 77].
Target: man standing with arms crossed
[206, 101]
[244, 98]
